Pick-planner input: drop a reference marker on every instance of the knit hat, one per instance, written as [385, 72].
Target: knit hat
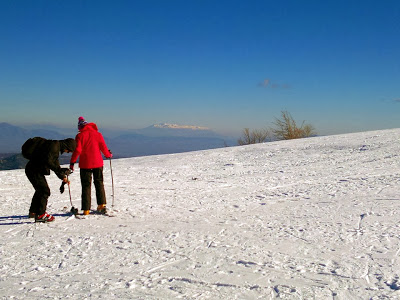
[81, 122]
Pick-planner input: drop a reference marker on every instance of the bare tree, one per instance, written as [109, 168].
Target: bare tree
[253, 136]
[287, 129]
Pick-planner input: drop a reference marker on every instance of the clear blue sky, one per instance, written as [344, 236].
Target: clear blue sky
[226, 65]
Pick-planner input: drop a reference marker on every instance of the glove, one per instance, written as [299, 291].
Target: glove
[71, 166]
[62, 188]
[111, 155]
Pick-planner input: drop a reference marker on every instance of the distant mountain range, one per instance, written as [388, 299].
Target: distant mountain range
[156, 139]
[12, 137]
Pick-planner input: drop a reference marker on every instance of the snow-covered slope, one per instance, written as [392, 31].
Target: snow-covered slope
[315, 218]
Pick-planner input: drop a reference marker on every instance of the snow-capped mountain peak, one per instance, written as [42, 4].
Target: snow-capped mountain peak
[177, 126]
[170, 129]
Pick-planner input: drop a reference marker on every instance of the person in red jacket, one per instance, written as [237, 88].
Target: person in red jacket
[89, 145]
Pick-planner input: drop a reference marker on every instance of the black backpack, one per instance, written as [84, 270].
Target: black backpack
[31, 147]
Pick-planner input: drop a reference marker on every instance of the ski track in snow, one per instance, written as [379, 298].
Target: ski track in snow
[315, 218]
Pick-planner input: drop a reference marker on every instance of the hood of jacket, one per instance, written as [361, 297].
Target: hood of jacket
[90, 126]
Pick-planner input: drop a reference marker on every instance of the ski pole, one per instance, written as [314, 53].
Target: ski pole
[112, 183]
[73, 209]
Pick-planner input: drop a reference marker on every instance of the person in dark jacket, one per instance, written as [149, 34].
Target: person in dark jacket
[44, 159]
[89, 146]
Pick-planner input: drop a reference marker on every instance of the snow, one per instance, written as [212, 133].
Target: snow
[314, 218]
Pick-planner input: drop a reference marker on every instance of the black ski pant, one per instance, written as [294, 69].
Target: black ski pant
[42, 190]
[86, 182]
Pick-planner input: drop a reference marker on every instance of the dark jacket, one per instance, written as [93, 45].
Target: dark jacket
[45, 158]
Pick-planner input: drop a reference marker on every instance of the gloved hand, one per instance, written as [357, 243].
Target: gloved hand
[62, 188]
[71, 166]
[110, 153]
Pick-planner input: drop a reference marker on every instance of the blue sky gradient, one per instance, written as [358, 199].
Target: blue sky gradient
[222, 64]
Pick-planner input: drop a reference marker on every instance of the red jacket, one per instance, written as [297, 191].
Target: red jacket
[89, 143]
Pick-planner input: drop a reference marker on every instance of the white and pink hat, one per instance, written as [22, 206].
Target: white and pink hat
[81, 122]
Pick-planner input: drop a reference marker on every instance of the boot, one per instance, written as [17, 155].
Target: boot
[44, 218]
[31, 215]
[102, 209]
